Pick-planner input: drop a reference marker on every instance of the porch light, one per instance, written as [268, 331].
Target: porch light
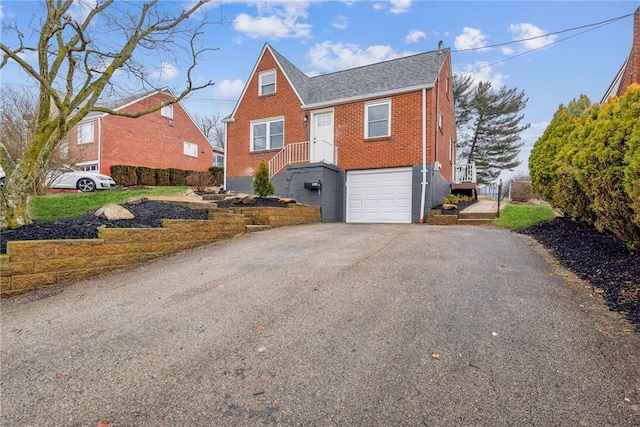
[305, 118]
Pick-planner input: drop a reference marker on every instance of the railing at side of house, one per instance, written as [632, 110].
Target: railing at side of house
[466, 173]
[297, 152]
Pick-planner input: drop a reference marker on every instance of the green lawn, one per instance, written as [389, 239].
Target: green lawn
[67, 205]
[521, 217]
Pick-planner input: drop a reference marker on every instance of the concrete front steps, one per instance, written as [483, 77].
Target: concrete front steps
[480, 213]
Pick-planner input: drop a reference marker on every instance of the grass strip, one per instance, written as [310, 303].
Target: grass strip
[521, 217]
[69, 205]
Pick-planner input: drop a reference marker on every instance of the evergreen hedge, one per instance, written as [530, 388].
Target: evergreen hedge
[587, 164]
[129, 176]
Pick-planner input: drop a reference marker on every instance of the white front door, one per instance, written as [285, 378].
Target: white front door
[322, 149]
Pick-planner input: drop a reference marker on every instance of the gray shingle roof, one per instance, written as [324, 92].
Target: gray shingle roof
[395, 75]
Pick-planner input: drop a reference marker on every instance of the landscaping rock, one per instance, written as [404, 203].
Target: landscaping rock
[113, 212]
[448, 206]
[136, 200]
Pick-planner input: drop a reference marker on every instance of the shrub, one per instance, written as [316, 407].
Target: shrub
[124, 175]
[162, 177]
[218, 175]
[199, 180]
[521, 189]
[262, 185]
[146, 176]
[177, 176]
[452, 199]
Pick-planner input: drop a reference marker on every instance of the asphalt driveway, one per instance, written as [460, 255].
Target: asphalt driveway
[325, 325]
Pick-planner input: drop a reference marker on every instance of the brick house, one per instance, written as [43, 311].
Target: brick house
[168, 138]
[370, 144]
[630, 71]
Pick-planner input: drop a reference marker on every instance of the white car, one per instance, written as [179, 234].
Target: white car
[69, 178]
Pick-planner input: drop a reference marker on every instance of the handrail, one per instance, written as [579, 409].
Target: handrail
[297, 152]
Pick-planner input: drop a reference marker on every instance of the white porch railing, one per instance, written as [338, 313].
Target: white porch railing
[297, 152]
[466, 173]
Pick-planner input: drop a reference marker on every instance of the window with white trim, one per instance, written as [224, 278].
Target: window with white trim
[190, 149]
[87, 167]
[377, 117]
[85, 133]
[267, 135]
[440, 118]
[267, 82]
[167, 111]
[218, 160]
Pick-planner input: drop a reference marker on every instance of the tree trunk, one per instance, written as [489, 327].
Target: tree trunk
[13, 206]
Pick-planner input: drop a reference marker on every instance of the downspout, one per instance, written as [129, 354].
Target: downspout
[424, 154]
[224, 162]
[435, 161]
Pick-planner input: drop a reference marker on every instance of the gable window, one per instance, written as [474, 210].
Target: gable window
[267, 82]
[85, 133]
[377, 119]
[190, 149]
[167, 111]
[267, 135]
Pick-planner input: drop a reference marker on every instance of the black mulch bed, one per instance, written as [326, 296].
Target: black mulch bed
[599, 258]
[147, 215]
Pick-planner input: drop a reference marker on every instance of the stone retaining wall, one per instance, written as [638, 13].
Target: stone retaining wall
[293, 214]
[37, 264]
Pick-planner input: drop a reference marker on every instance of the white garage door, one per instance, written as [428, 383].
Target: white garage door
[379, 195]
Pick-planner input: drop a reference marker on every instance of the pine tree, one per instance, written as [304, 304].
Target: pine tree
[262, 185]
[489, 128]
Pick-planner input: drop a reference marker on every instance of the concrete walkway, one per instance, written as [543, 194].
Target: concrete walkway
[483, 206]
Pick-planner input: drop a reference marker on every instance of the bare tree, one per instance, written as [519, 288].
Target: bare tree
[212, 127]
[97, 53]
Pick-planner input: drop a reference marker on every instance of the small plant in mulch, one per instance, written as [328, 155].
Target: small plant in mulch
[262, 185]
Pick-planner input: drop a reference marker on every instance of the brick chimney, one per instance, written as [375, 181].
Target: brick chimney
[632, 72]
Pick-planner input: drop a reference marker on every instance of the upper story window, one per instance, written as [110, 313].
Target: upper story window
[267, 134]
[85, 133]
[377, 119]
[190, 149]
[267, 82]
[167, 111]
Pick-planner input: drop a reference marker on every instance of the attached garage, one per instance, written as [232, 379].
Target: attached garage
[379, 195]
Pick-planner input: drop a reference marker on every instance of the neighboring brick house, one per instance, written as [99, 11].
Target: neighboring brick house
[168, 138]
[630, 71]
[361, 143]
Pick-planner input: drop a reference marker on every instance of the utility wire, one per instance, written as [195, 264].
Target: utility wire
[533, 50]
[596, 25]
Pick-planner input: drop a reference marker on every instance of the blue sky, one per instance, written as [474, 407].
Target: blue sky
[326, 36]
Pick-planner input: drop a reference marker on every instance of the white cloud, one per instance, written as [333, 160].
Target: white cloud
[327, 56]
[165, 72]
[506, 50]
[400, 6]
[228, 89]
[275, 20]
[414, 36]
[470, 38]
[1, 12]
[378, 6]
[481, 71]
[341, 22]
[530, 31]
[80, 9]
